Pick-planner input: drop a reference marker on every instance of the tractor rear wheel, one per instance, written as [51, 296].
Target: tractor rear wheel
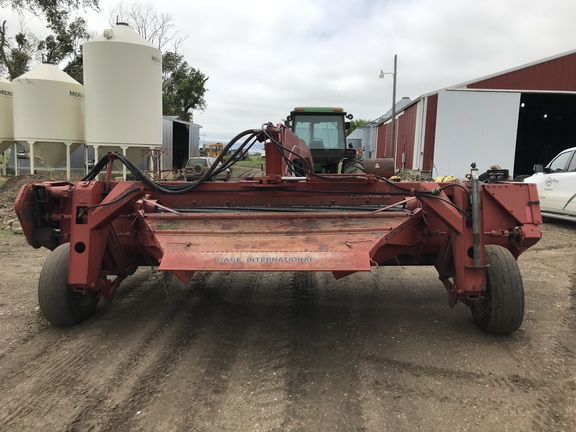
[501, 311]
[352, 166]
[59, 303]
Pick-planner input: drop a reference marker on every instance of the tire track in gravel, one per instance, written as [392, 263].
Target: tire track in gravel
[36, 327]
[197, 380]
[472, 377]
[58, 373]
[265, 360]
[304, 334]
[149, 337]
[257, 396]
[401, 380]
[33, 349]
[43, 326]
[208, 403]
[346, 327]
[211, 304]
[556, 406]
[553, 359]
[322, 379]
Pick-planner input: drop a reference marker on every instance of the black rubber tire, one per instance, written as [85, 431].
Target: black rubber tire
[352, 166]
[298, 171]
[58, 302]
[501, 311]
[227, 178]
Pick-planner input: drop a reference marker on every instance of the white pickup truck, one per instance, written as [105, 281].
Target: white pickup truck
[557, 186]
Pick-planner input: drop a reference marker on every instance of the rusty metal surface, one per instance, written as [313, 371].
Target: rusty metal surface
[337, 223]
[285, 220]
[271, 242]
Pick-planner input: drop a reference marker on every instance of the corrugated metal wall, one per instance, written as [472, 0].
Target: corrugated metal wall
[430, 133]
[383, 140]
[405, 133]
[406, 130]
[181, 147]
[167, 143]
[475, 126]
[369, 141]
[418, 150]
[558, 74]
[194, 140]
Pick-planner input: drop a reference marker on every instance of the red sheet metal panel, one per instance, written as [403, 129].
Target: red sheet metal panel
[266, 261]
[309, 242]
[406, 134]
[430, 134]
[558, 74]
[383, 141]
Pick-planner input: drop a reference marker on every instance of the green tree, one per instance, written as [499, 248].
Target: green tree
[358, 123]
[68, 34]
[15, 53]
[183, 87]
[75, 68]
[49, 8]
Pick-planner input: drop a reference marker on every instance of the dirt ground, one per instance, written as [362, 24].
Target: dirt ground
[378, 351]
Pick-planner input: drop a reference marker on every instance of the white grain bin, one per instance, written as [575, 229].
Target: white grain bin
[6, 115]
[123, 87]
[48, 113]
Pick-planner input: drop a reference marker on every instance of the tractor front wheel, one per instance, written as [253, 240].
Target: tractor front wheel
[59, 303]
[501, 311]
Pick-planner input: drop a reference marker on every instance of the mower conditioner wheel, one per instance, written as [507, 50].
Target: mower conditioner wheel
[58, 302]
[501, 311]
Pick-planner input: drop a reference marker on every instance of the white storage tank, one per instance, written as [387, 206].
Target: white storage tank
[6, 115]
[123, 87]
[48, 113]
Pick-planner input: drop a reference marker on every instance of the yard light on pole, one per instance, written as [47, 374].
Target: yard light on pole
[393, 132]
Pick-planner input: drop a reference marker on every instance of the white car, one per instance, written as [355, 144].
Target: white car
[557, 186]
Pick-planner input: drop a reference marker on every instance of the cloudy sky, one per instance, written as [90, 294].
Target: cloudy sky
[265, 57]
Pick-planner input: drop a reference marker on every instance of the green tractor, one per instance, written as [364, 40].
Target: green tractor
[324, 131]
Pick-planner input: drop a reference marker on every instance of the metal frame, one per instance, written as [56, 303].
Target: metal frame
[279, 222]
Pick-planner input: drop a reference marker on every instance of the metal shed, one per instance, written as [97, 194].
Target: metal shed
[180, 141]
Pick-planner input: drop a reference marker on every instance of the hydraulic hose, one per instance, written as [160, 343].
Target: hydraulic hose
[174, 189]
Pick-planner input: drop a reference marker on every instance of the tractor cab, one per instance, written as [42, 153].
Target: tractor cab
[324, 131]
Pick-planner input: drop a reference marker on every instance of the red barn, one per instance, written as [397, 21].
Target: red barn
[514, 118]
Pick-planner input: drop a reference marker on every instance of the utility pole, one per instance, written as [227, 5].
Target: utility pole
[393, 128]
[393, 133]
